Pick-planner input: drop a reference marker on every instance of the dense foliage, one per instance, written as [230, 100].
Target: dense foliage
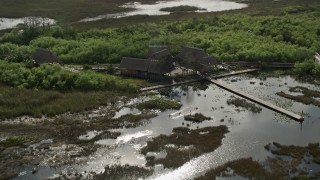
[308, 67]
[287, 38]
[56, 77]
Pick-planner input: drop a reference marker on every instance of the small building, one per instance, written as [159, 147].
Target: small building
[134, 67]
[44, 56]
[196, 59]
[157, 66]
[145, 68]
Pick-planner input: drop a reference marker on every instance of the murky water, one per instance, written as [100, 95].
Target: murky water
[249, 132]
[155, 9]
[7, 23]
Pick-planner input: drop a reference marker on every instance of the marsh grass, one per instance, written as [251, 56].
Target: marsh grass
[306, 98]
[15, 102]
[158, 103]
[187, 145]
[238, 102]
[13, 141]
[124, 172]
[243, 167]
[299, 152]
[197, 117]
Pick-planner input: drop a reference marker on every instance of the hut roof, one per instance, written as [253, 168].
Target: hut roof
[191, 54]
[208, 61]
[155, 49]
[159, 67]
[151, 66]
[161, 55]
[134, 64]
[42, 56]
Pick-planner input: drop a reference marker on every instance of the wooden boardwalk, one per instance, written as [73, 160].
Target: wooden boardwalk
[169, 85]
[195, 80]
[257, 100]
[234, 73]
[268, 65]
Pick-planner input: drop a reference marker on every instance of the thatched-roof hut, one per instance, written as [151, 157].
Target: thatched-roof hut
[44, 56]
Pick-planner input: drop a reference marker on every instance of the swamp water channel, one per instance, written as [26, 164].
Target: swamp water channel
[248, 132]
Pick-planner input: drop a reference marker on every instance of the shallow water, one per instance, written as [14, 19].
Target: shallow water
[7, 23]
[154, 9]
[249, 132]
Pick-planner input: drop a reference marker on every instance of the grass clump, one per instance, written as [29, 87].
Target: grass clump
[124, 172]
[298, 152]
[197, 117]
[13, 141]
[243, 167]
[133, 120]
[244, 104]
[15, 102]
[184, 144]
[158, 103]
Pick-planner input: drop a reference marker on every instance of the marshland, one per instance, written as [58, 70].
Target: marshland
[72, 120]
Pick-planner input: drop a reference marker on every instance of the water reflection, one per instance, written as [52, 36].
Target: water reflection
[155, 9]
[7, 23]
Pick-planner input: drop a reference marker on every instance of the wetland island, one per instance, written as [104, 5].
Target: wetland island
[174, 89]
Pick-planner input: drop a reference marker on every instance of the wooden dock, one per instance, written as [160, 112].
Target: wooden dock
[195, 80]
[257, 100]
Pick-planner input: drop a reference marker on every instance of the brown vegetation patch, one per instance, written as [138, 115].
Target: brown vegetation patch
[158, 103]
[184, 144]
[243, 167]
[274, 167]
[307, 97]
[238, 102]
[197, 117]
[123, 172]
[298, 152]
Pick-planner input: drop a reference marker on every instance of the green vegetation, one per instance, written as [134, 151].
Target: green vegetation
[56, 77]
[158, 103]
[197, 117]
[13, 141]
[16, 102]
[131, 120]
[307, 68]
[184, 144]
[181, 9]
[286, 38]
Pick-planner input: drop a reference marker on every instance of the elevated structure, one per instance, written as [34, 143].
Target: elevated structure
[44, 56]
[256, 100]
[196, 59]
[157, 66]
